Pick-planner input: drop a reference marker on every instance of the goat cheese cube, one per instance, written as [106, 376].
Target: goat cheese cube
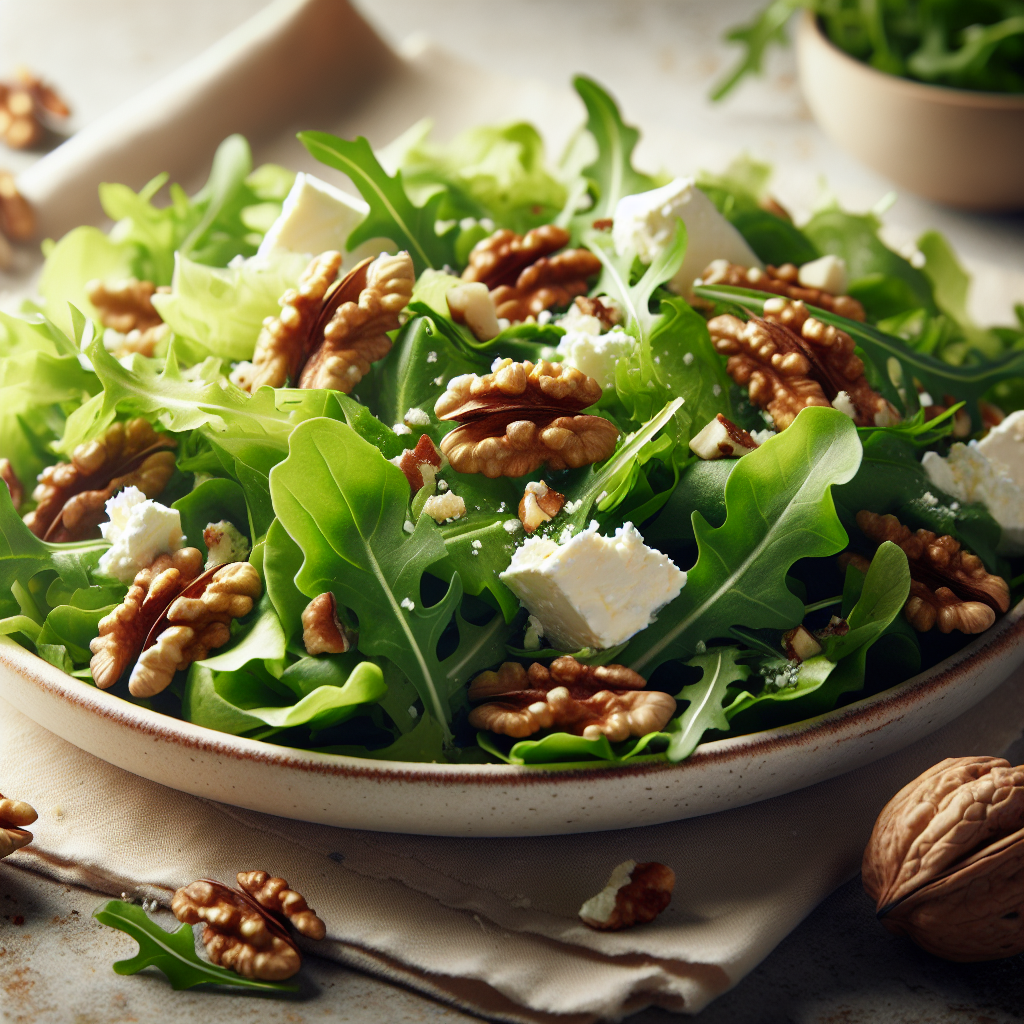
[971, 477]
[594, 353]
[646, 222]
[317, 217]
[1003, 446]
[139, 530]
[593, 591]
[827, 273]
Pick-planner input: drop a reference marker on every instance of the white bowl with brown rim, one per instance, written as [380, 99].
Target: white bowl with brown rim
[954, 146]
[505, 800]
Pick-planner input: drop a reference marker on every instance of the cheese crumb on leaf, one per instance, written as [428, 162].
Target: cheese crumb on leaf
[139, 530]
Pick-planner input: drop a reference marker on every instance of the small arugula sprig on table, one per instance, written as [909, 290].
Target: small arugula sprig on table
[173, 953]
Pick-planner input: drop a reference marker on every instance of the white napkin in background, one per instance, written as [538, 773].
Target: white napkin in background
[488, 925]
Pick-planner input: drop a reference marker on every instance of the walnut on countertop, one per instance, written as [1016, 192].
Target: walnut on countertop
[14, 816]
[322, 631]
[635, 894]
[71, 496]
[949, 587]
[521, 416]
[196, 622]
[784, 281]
[246, 931]
[945, 861]
[123, 631]
[27, 108]
[586, 700]
[523, 275]
[17, 217]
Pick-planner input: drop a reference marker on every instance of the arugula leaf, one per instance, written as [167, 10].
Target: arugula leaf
[720, 671]
[967, 382]
[478, 567]
[563, 750]
[172, 953]
[612, 172]
[346, 506]
[391, 215]
[779, 509]
[210, 502]
[767, 28]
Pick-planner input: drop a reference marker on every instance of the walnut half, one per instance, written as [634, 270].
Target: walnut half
[586, 700]
[945, 861]
[245, 928]
[522, 416]
[14, 816]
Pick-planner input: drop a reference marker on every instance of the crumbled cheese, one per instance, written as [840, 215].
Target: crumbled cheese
[224, 543]
[408, 526]
[442, 485]
[566, 535]
[534, 633]
[716, 389]
[760, 436]
[1003, 446]
[316, 217]
[401, 428]
[593, 591]
[444, 506]
[139, 530]
[241, 374]
[478, 544]
[969, 476]
[431, 357]
[417, 417]
[827, 273]
[544, 317]
[594, 353]
[471, 304]
[688, 358]
[413, 711]
[645, 224]
[408, 604]
[572, 507]
[512, 526]
[929, 499]
[845, 405]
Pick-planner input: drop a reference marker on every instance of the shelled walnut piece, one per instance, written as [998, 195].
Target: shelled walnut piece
[245, 928]
[949, 587]
[14, 816]
[789, 361]
[524, 277]
[70, 496]
[539, 504]
[945, 861]
[521, 416]
[328, 332]
[635, 894]
[123, 631]
[322, 632]
[585, 700]
[126, 306]
[27, 107]
[14, 487]
[17, 217]
[196, 622]
[782, 280]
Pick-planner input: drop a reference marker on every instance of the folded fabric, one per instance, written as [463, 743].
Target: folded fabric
[491, 925]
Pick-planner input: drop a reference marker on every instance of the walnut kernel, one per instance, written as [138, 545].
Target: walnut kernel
[635, 894]
[322, 632]
[14, 816]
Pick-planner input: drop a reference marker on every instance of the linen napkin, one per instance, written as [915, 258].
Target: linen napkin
[490, 925]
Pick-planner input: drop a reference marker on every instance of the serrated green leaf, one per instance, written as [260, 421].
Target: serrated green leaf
[779, 509]
[392, 214]
[173, 953]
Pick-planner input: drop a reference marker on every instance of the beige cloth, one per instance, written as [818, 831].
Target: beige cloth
[488, 925]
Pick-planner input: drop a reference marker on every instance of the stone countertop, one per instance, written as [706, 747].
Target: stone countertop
[659, 57]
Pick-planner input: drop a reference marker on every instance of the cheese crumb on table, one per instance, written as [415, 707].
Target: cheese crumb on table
[593, 591]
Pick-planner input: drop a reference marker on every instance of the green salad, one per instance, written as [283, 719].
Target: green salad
[965, 44]
[504, 461]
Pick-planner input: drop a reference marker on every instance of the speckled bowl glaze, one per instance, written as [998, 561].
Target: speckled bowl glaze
[502, 800]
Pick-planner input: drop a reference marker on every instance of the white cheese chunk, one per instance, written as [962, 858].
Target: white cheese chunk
[645, 224]
[224, 543]
[471, 304]
[827, 273]
[969, 476]
[317, 217]
[444, 506]
[139, 530]
[593, 591]
[1003, 446]
[845, 405]
[594, 353]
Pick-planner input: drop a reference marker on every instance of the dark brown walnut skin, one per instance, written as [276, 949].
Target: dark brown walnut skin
[945, 861]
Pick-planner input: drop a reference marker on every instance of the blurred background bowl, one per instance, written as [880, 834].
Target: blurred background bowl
[953, 146]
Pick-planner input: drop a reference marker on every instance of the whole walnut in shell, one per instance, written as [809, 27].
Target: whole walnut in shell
[945, 862]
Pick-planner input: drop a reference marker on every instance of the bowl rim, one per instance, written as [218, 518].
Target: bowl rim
[864, 715]
[810, 31]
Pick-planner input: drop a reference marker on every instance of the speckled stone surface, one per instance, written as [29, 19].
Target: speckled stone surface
[658, 56]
